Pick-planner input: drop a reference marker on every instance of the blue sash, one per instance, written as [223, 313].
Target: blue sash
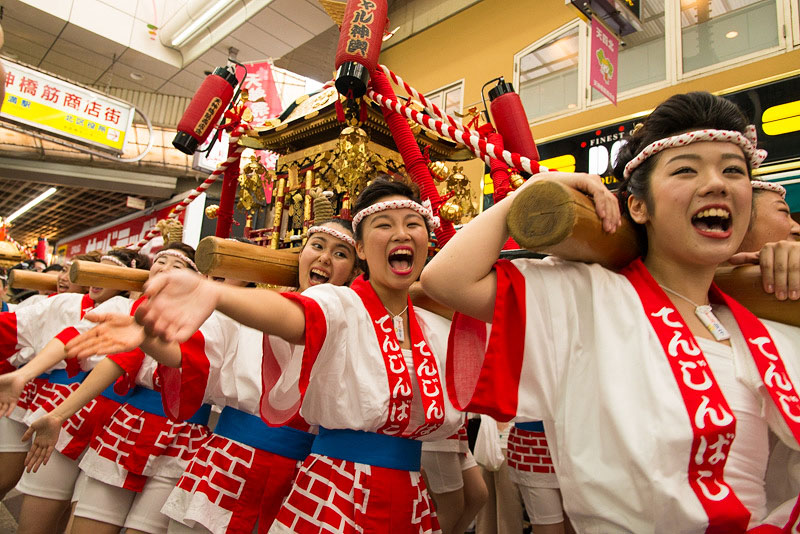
[150, 401]
[59, 376]
[251, 430]
[381, 450]
[533, 426]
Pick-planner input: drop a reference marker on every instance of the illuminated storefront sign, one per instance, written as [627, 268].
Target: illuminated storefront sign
[773, 108]
[64, 109]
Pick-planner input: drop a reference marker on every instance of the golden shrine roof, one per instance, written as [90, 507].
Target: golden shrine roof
[312, 120]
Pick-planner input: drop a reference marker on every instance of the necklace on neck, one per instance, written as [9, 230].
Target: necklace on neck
[706, 316]
[397, 323]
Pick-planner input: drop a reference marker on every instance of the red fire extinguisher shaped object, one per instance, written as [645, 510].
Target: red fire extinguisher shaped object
[511, 121]
[205, 109]
[359, 46]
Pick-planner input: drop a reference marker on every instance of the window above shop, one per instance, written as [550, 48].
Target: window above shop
[679, 40]
[448, 98]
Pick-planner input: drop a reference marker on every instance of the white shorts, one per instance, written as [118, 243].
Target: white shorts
[11, 436]
[543, 505]
[443, 469]
[54, 480]
[125, 508]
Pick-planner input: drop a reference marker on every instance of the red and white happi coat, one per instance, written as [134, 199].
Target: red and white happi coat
[458, 442]
[345, 385]
[228, 486]
[570, 344]
[79, 430]
[135, 444]
[25, 332]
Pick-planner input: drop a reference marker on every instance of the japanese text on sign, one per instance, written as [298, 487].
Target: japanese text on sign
[47, 103]
[360, 32]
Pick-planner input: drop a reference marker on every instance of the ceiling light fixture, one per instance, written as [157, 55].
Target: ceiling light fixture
[136, 76]
[31, 204]
[189, 31]
[733, 34]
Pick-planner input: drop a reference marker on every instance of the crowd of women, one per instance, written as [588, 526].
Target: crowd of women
[667, 406]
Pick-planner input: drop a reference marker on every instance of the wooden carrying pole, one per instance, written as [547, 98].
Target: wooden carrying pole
[233, 259]
[19, 279]
[88, 273]
[252, 263]
[552, 218]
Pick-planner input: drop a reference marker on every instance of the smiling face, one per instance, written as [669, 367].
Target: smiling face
[771, 221]
[326, 259]
[167, 262]
[394, 243]
[65, 286]
[102, 294]
[700, 204]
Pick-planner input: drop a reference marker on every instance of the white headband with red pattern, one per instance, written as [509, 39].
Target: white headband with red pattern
[746, 141]
[769, 186]
[332, 232]
[423, 209]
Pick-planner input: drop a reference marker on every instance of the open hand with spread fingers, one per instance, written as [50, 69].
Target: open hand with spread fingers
[44, 432]
[114, 333]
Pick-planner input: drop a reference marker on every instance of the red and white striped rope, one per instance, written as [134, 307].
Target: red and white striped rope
[219, 171]
[430, 106]
[480, 147]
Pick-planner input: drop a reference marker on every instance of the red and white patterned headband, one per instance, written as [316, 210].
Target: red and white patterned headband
[180, 256]
[769, 186]
[423, 209]
[746, 141]
[332, 232]
[113, 259]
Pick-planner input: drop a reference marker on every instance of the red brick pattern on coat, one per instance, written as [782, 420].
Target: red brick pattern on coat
[528, 452]
[331, 495]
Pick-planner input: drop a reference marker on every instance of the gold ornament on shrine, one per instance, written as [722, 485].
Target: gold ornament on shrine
[251, 184]
[212, 211]
[439, 170]
[460, 204]
[516, 180]
[171, 230]
[352, 162]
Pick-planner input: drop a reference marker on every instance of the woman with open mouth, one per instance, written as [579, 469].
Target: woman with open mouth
[136, 455]
[42, 379]
[370, 373]
[227, 372]
[656, 390]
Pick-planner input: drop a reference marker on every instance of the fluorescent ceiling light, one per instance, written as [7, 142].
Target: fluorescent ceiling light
[732, 34]
[189, 31]
[31, 204]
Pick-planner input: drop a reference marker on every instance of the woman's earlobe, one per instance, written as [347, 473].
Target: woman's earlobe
[637, 208]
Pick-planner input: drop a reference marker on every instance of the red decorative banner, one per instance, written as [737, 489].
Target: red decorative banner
[605, 47]
[120, 234]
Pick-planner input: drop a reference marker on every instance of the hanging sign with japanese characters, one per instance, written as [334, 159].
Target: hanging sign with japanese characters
[603, 74]
[64, 109]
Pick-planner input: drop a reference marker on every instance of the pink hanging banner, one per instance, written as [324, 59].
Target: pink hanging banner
[605, 47]
[265, 101]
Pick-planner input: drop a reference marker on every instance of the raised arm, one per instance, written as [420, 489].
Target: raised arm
[11, 384]
[47, 427]
[460, 275]
[179, 302]
[116, 332]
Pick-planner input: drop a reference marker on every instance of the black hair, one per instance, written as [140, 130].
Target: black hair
[131, 258]
[183, 248]
[678, 114]
[55, 267]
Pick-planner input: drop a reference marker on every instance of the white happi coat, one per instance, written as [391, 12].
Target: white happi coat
[595, 372]
[348, 385]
